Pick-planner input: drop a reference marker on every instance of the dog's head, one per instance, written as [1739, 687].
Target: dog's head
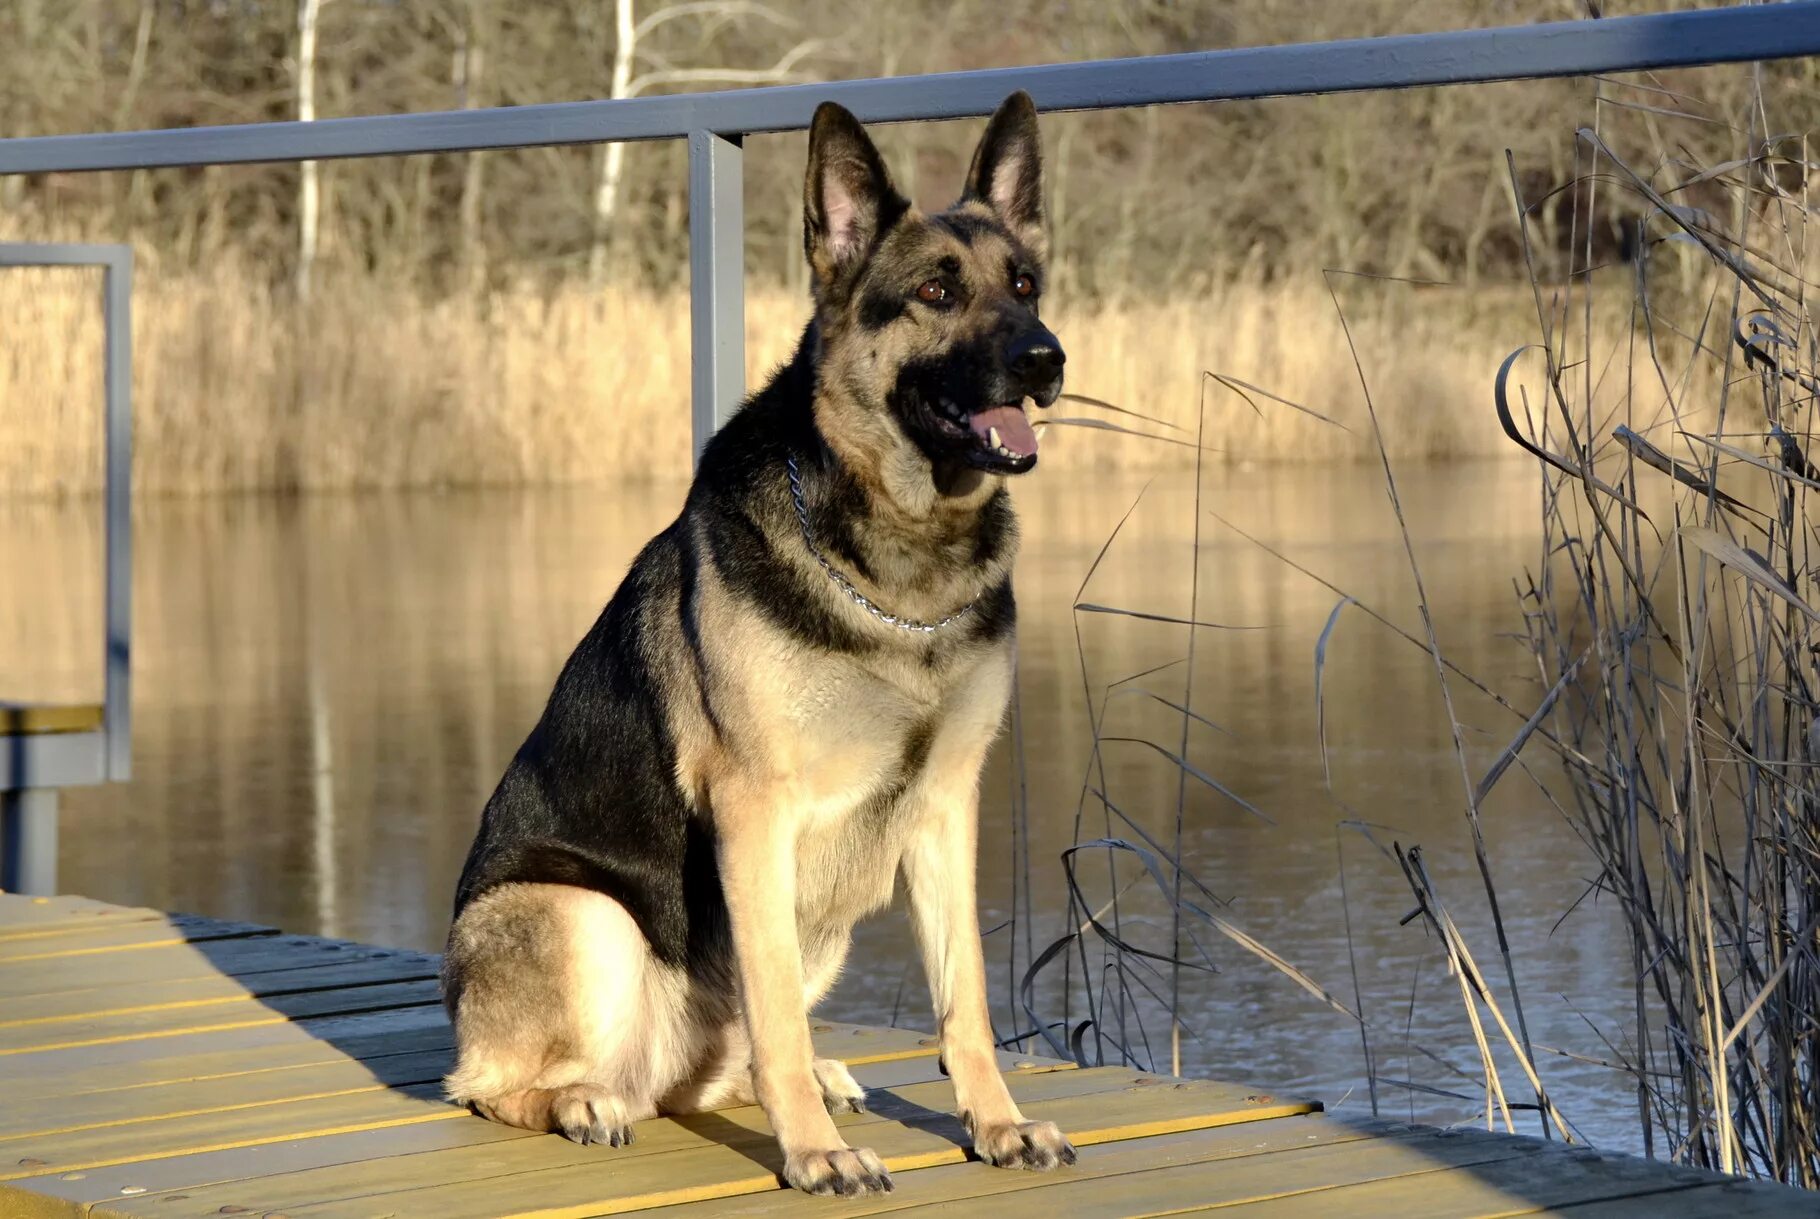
[931, 339]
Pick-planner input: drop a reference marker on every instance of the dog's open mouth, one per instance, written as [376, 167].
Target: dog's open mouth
[999, 438]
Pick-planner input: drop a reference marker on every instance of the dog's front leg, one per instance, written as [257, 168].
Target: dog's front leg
[939, 876]
[757, 857]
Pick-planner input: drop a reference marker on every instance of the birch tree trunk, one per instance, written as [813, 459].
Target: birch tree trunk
[613, 156]
[129, 97]
[308, 186]
[14, 106]
[470, 66]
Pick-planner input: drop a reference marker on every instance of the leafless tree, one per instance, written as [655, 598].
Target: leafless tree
[309, 188]
[630, 44]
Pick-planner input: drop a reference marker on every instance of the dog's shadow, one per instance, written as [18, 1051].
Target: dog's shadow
[761, 1147]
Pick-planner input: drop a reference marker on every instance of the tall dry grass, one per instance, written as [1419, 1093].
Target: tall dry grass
[240, 387]
[1672, 613]
[1671, 718]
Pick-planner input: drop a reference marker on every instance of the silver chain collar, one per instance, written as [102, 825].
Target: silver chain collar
[846, 585]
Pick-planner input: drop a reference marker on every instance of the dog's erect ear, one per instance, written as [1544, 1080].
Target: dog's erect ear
[1008, 171]
[848, 199]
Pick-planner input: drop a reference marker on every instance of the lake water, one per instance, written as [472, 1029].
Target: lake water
[327, 689]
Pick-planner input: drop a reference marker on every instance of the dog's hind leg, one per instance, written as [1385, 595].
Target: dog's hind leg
[583, 1113]
[841, 1093]
[563, 1021]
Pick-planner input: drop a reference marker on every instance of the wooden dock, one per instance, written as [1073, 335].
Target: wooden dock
[172, 1066]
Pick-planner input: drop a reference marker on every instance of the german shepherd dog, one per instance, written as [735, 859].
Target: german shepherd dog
[787, 702]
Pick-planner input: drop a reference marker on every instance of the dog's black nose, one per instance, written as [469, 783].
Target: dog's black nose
[1035, 358]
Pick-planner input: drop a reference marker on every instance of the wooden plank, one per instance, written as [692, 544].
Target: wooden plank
[1461, 1175]
[178, 962]
[172, 1021]
[17, 719]
[122, 1110]
[21, 915]
[103, 1000]
[332, 1156]
[122, 937]
[87, 1149]
[258, 1048]
[972, 1181]
[1312, 1176]
[731, 1153]
[1733, 1199]
[66, 1145]
[243, 1064]
[856, 1043]
[148, 1060]
[168, 1179]
[184, 1098]
[55, 936]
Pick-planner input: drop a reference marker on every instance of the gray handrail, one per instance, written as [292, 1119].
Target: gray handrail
[1566, 48]
[34, 767]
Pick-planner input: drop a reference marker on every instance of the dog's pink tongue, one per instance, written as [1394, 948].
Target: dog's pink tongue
[1014, 430]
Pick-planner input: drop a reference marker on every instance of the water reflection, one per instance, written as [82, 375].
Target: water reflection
[327, 689]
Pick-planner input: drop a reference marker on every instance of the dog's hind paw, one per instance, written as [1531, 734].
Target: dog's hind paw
[587, 1113]
[840, 1092]
[845, 1171]
[1035, 1145]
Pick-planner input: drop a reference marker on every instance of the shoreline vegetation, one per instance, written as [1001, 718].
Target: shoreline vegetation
[518, 317]
[241, 387]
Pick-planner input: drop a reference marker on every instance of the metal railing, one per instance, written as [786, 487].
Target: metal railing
[35, 765]
[714, 123]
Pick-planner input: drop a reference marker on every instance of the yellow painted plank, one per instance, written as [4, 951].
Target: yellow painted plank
[855, 1043]
[108, 938]
[311, 1163]
[183, 1098]
[126, 1184]
[1477, 1176]
[107, 1000]
[169, 1021]
[731, 1153]
[21, 915]
[175, 962]
[1311, 1176]
[20, 720]
[970, 1182]
[87, 1149]
[125, 1109]
[209, 1065]
[146, 1060]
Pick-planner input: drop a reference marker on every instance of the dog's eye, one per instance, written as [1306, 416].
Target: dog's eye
[933, 292]
[1023, 285]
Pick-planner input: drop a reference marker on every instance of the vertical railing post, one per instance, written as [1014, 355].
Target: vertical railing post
[117, 311]
[28, 841]
[717, 281]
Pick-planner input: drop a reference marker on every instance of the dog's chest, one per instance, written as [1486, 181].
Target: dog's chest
[861, 735]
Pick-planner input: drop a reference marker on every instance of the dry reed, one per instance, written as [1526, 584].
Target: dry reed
[239, 387]
[1669, 406]
[1673, 597]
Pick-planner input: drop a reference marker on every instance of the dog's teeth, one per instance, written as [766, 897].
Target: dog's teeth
[1039, 429]
[1005, 452]
[992, 439]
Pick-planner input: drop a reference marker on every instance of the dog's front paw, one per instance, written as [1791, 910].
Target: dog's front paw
[843, 1170]
[1035, 1145]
